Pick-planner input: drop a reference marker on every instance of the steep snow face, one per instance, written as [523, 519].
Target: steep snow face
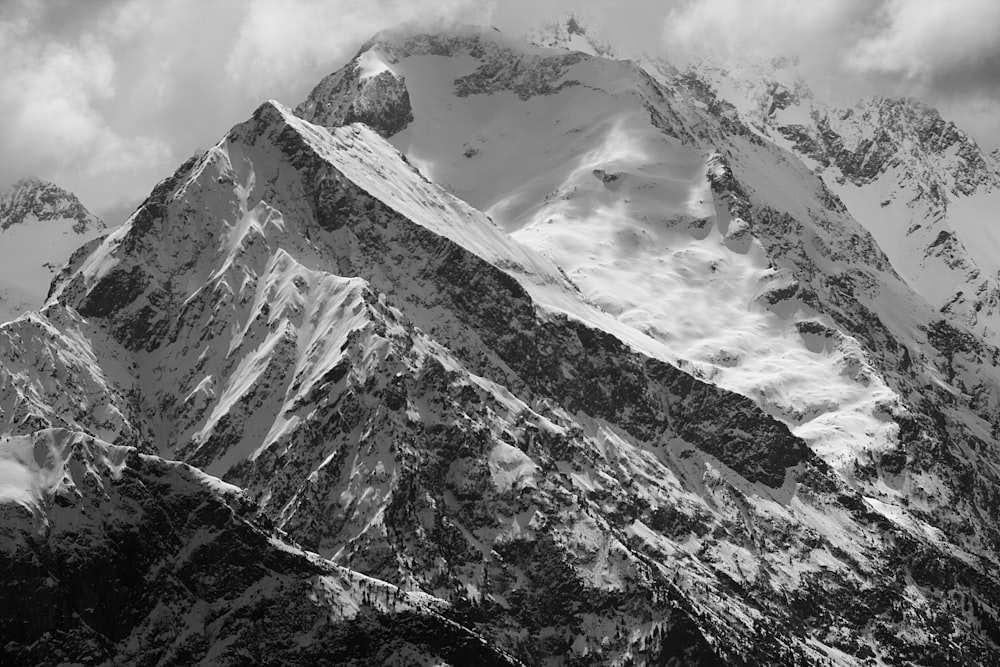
[56, 370]
[573, 33]
[926, 190]
[692, 229]
[40, 227]
[562, 153]
[270, 313]
[32, 198]
[919, 184]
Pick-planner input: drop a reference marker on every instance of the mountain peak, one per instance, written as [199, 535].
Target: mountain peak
[372, 88]
[43, 200]
[41, 224]
[573, 32]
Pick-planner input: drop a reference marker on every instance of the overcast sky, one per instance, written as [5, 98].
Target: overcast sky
[105, 97]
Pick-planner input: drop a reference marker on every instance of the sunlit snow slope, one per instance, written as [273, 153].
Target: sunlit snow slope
[693, 229]
[586, 161]
[922, 187]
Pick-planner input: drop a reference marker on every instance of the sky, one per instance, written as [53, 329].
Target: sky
[106, 97]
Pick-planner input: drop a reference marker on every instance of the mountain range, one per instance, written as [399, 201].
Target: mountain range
[513, 352]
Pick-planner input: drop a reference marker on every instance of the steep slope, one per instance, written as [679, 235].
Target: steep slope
[916, 182]
[572, 33]
[360, 433]
[40, 227]
[611, 182]
[112, 556]
[673, 215]
[920, 185]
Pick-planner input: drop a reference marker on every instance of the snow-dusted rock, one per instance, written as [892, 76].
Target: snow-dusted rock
[113, 556]
[40, 226]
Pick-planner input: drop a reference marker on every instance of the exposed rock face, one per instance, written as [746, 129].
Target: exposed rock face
[574, 33]
[840, 275]
[445, 445]
[377, 99]
[44, 201]
[131, 558]
[866, 141]
[381, 100]
[919, 184]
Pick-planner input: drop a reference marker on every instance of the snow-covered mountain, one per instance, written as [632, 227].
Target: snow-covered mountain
[923, 188]
[40, 226]
[556, 359]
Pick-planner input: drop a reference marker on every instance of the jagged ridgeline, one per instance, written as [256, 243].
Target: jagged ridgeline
[498, 353]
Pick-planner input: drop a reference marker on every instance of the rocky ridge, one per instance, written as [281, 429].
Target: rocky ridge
[133, 558]
[43, 201]
[837, 271]
[918, 183]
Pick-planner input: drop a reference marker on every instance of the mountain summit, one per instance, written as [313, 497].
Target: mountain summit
[32, 199]
[498, 353]
[40, 226]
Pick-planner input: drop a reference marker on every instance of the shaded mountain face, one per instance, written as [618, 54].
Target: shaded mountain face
[130, 558]
[550, 361]
[40, 226]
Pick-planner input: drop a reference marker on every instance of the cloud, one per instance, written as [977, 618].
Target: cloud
[817, 28]
[282, 42]
[933, 43]
[49, 92]
[946, 52]
[925, 39]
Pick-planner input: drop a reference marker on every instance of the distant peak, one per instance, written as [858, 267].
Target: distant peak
[574, 32]
[31, 182]
[400, 38]
[43, 200]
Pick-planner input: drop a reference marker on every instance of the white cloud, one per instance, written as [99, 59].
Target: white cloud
[766, 26]
[282, 42]
[920, 39]
[49, 92]
[945, 52]
[915, 39]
